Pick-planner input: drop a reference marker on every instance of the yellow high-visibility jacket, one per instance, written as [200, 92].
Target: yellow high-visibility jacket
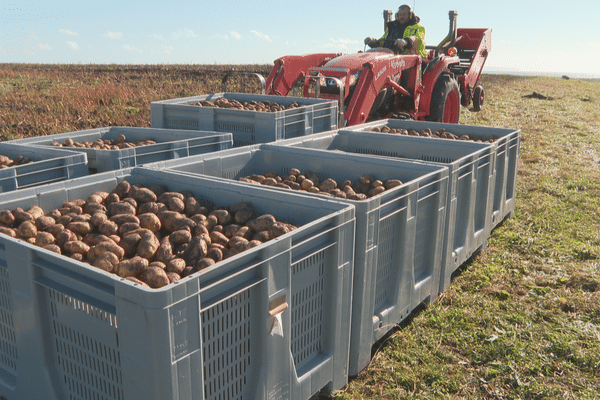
[394, 31]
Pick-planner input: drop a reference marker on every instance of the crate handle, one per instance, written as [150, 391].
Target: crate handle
[76, 294]
[277, 306]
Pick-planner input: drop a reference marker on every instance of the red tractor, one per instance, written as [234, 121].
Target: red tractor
[378, 83]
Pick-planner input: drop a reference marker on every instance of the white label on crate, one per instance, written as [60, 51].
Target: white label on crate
[279, 392]
[276, 325]
[184, 339]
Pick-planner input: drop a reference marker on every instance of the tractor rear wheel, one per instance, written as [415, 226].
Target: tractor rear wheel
[478, 96]
[445, 100]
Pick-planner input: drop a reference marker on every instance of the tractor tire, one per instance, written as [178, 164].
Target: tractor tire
[445, 100]
[478, 97]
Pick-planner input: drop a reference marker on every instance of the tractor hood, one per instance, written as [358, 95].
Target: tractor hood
[357, 60]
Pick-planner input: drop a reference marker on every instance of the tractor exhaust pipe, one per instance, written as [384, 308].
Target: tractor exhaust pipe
[387, 17]
[449, 40]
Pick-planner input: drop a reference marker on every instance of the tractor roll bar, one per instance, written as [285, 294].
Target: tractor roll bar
[261, 79]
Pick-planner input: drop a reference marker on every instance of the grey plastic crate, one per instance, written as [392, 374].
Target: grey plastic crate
[248, 127]
[49, 165]
[506, 146]
[72, 331]
[169, 144]
[399, 233]
[470, 184]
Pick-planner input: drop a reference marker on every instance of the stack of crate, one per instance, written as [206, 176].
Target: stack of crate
[284, 320]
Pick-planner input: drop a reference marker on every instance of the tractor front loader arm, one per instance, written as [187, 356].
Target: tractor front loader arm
[286, 71]
[375, 77]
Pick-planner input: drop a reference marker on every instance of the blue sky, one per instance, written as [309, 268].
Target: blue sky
[527, 36]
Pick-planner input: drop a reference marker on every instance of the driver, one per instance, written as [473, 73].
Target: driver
[404, 35]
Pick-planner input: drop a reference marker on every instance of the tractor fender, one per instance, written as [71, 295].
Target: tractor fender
[432, 73]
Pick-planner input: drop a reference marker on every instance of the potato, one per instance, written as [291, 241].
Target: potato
[203, 233]
[121, 219]
[65, 219]
[21, 216]
[150, 221]
[93, 239]
[131, 267]
[95, 198]
[44, 238]
[306, 184]
[196, 250]
[137, 281]
[164, 252]
[173, 221]
[112, 198]
[193, 206]
[376, 190]
[128, 227]
[7, 217]
[53, 248]
[76, 246]
[8, 231]
[223, 216]
[280, 228]
[55, 229]
[80, 227]
[81, 218]
[211, 221]
[254, 243]
[166, 195]
[262, 223]
[142, 194]
[54, 213]
[175, 265]
[35, 211]
[106, 261]
[108, 228]
[175, 204]
[155, 277]
[44, 222]
[27, 229]
[328, 185]
[245, 232]
[129, 243]
[218, 237]
[109, 246]
[215, 253]
[122, 189]
[242, 216]
[204, 263]
[262, 236]
[121, 207]
[391, 183]
[270, 182]
[181, 236]
[230, 230]
[149, 207]
[173, 277]
[92, 208]
[148, 245]
[376, 183]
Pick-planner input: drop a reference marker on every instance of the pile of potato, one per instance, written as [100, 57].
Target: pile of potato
[144, 234]
[361, 189]
[440, 133]
[253, 105]
[6, 162]
[119, 143]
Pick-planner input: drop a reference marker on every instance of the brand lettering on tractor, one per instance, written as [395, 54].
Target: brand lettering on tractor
[398, 64]
[381, 72]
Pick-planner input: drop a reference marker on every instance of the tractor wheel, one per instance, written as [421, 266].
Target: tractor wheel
[445, 100]
[478, 96]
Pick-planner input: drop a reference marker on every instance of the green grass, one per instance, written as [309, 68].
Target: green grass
[521, 319]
